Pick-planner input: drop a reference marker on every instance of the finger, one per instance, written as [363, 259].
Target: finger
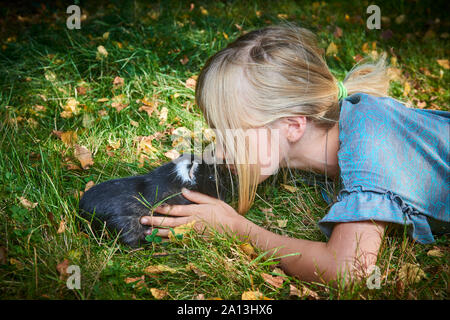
[164, 233]
[198, 197]
[165, 221]
[180, 210]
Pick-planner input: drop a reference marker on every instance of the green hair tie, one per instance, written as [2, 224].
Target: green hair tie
[342, 91]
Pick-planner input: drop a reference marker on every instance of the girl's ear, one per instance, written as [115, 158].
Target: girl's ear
[295, 128]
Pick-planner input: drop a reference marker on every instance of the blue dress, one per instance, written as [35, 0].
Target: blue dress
[394, 164]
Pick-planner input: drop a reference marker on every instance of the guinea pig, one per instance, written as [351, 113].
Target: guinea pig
[120, 203]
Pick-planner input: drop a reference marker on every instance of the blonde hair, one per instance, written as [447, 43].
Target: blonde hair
[268, 74]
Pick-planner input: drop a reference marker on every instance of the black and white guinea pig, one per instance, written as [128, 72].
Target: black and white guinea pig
[120, 203]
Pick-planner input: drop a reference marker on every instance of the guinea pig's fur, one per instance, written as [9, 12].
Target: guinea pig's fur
[120, 202]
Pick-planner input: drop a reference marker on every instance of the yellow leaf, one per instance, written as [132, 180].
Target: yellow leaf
[289, 188]
[332, 49]
[69, 138]
[406, 89]
[203, 11]
[160, 268]
[102, 100]
[114, 144]
[183, 229]
[253, 295]
[248, 249]
[158, 293]
[443, 63]
[62, 226]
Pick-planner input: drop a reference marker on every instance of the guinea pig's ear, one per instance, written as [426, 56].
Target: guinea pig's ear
[193, 169]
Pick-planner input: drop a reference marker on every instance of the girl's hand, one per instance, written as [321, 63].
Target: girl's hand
[207, 211]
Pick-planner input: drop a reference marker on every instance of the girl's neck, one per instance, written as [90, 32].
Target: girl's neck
[309, 152]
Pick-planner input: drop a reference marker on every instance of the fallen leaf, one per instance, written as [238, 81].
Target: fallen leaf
[27, 203]
[134, 123]
[248, 249]
[184, 60]
[191, 267]
[62, 269]
[332, 49]
[118, 82]
[160, 268]
[303, 292]
[443, 63]
[69, 137]
[436, 252]
[163, 115]
[289, 188]
[138, 283]
[158, 293]
[101, 52]
[410, 273]
[89, 185]
[62, 227]
[282, 223]
[145, 145]
[70, 108]
[400, 19]
[406, 88]
[338, 32]
[275, 281]
[181, 230]
[148, 109]
[191, 82]
[172, 154]
[203, 11]
[81, 91]
[84, 156]
[114, 145]
[102, 100]
[253, 295]
[105, 36]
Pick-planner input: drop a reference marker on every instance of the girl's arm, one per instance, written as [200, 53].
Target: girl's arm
[352, 247]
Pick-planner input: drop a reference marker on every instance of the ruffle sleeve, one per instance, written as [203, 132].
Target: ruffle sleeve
[361, 204]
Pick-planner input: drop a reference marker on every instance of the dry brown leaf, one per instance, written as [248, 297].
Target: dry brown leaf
[62, 227]
[70, 108]
[62, 269]
[81, 91]
[303, 292]
[253, 295]
[89, 185]
[406, 88]
[27, 203]
[118, 82]
[275, 281]
[84, 156]
[191, 82]
[338, 32]
[114, 144]
[436, 252]
[172, 154]
[102, 100]
[184, 60]
[158, 293]
[134, 123]
[410, 273]
[139, 282]
[148, 109]
[191, 267]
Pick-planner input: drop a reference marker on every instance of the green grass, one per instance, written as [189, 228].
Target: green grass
[42, 63]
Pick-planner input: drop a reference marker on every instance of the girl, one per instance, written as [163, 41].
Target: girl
[393, 161]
